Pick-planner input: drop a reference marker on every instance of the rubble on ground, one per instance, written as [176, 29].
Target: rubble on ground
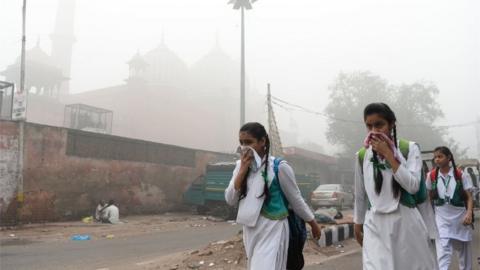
[230, 254]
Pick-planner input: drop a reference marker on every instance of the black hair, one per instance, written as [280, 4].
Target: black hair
[259, 132]
[111, 202]
[386, 113]
[448, 153]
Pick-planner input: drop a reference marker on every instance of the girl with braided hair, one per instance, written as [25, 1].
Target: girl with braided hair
[450, 192]
[266, 192]
[388, 223]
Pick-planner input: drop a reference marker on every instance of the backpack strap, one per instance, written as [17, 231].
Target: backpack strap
[433, 175]
[361, 157]
[276, 164]
[404, 147]
[459, 175]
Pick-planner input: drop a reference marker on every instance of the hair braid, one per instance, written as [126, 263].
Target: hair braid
[377, 175]
[266, 191]
[458, 179]
[396, 188]
[434, 192]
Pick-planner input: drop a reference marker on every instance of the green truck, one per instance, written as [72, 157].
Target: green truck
[206, 193]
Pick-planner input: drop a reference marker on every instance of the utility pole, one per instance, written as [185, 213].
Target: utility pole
[21, 135]
[477, 129]
[276, 147]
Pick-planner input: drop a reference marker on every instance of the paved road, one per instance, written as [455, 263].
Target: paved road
[129, 251]
[114, 252]
[353, 261]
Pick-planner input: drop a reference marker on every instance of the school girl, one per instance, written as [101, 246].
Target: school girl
[450, 192]
[262, 209]
[387, 221]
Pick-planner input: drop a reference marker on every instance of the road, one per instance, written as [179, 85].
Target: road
[353, 260]
[115, 253]
[133, 252]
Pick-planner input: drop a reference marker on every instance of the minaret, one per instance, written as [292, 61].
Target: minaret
[62, 41]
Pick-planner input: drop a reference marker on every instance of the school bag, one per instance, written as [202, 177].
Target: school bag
[298, 232]
[406, 199]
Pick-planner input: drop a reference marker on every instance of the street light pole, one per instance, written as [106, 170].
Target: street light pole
[242, 5]
[24, 39]
[242, 71]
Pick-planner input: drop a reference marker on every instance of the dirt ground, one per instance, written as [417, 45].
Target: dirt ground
[230, 254]
[131, 226]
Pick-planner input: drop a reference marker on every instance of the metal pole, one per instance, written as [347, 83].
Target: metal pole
[269, 93]
[11, 101]
[269, 102]
[477, 129]
[242, 71]
[22, 63]
[20, 195]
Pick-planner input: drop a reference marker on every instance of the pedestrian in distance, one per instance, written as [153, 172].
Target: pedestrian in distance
[450, 191]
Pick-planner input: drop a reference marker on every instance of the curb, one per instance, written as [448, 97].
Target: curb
[335, 234]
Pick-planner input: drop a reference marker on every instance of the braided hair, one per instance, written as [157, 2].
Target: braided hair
[386, 113]
[448, 153]
[257, 131]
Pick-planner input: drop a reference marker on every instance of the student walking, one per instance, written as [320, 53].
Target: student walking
[264, 188]
[388, 188]
[450, 192]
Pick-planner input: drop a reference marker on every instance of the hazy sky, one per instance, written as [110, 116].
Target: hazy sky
[298, 46]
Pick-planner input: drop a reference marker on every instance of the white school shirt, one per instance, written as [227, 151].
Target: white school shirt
[449, 218]
[407, 175]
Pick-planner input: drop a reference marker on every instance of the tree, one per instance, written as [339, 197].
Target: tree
[415, 106]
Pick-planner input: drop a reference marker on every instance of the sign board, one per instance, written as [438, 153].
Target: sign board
[19, 110]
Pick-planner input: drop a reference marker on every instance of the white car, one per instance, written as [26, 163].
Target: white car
[332, 195]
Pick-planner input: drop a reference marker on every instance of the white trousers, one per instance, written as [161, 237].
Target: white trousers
[445, 248]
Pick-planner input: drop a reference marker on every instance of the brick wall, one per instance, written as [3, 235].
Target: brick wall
[67, 171]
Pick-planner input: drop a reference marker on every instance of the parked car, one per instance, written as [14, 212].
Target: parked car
[332, 195]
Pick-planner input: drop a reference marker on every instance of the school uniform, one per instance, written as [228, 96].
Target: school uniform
[266, 232]
[453, 235]
[395, 234]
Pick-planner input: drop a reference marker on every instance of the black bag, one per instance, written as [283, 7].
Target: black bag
[298, 236]
[298, 233]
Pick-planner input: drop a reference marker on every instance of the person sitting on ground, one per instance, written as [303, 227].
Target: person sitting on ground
[111, 213]
[99, 210]
[476, 198]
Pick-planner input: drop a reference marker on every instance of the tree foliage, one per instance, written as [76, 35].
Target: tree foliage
[415, 106]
